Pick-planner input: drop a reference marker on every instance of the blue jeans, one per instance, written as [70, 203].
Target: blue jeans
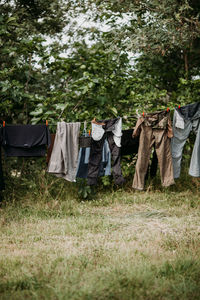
[183, 124]
[83, 159]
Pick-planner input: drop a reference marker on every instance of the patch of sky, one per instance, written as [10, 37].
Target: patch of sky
[88, 24]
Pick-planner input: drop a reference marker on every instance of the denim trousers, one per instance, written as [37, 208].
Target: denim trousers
[83, 160]
[185, 121]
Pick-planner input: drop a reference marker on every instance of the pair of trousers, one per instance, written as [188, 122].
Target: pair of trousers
[110, 130]
[148, 137]
[185, 120]
[64, 157]
[130, 146]
[83, 160]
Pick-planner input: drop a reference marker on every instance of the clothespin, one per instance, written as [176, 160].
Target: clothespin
[4, 123]
[143, 114]
[46, 123]
[179, 106]
[89, 132]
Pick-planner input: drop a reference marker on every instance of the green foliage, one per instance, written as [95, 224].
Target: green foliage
[151, 26]
[84, 191]
[86, 84]
[22, 28]
[141, 56]
[38, 83]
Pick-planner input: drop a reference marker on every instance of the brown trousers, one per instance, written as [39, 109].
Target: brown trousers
[149, 136]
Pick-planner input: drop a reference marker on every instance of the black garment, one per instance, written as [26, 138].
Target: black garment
[2, 185]
[154, 164]
[130, 146]
[96, 155]
[129, 143]
[85, 141]
[84, 152]
[25, 140]
[152, 168]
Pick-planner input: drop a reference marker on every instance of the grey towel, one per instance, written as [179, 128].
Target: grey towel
[64, 157]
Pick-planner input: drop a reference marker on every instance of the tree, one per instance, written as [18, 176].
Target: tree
[38, 83]
[165, 28]
[23, 26]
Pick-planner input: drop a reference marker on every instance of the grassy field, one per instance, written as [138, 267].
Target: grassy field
[120, 245]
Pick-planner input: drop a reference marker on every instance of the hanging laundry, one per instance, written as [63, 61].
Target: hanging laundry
[129, 144]
[105, 166]
[154, 128]
[154, 164]
[2, 185]
[84, 153]
[112, 131]
[83, 158]
[85, 141]
[64, 157]
[25, 140]
[186, 119]
[49, 150]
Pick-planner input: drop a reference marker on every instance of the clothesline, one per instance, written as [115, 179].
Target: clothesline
[123, 117]
[88, 121]
[82, 122]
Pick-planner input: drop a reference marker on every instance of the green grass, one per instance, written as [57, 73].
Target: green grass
[119, 245]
